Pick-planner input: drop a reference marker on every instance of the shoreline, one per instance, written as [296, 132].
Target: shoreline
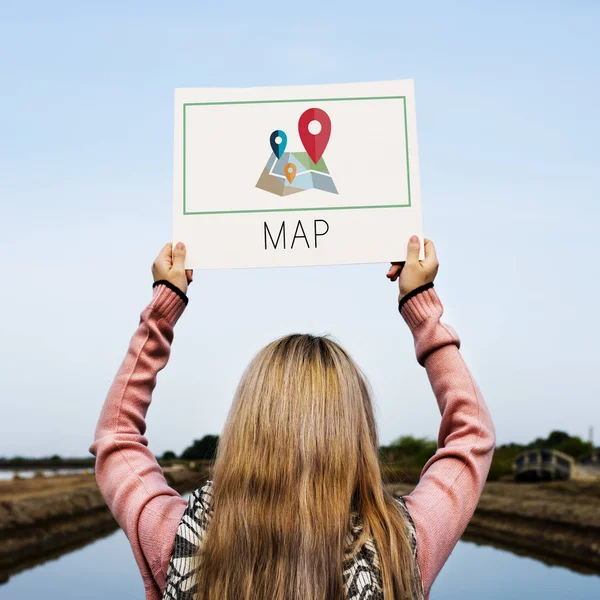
[44, 518]
[557, 523]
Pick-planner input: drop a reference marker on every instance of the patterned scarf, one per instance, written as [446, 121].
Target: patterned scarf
[362, 574]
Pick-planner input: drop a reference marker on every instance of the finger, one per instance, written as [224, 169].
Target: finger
[430, 253]
[393, 265]
[164, 256]
[189, 274]
[398, 273]
[429, 249]
[412, 253]
[165, 251]
[179, 256]
[395, 270]
[392, 270]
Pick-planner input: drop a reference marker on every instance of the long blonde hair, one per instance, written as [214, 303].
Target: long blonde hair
[298, 454]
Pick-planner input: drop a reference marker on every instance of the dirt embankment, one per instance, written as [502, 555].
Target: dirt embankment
[556, 522]
[44, 517]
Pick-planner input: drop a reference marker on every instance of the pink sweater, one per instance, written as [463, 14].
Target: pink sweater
[149, 511]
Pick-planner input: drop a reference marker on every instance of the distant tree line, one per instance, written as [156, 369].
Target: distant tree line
[402, 460]
[557, 440]
[54, 461]
[203, 449]
[406, 457]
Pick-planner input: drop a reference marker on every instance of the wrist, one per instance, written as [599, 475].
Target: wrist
[168, 302]
[404, 298]
[173, 288]
[420, 306]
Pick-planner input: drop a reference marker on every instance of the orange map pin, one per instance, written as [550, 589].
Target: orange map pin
[290, 171]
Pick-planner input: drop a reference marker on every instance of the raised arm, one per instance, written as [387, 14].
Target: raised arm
[452, 480]
[129, 477]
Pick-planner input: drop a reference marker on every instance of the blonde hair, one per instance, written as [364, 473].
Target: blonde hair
[298, 454]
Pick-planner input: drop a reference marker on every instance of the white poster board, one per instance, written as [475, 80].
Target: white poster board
[290, 176]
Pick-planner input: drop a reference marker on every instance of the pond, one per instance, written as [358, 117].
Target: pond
[8, 475]
[106, 569]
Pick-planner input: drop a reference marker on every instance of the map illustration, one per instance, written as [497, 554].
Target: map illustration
[308, 175]
[291, 172]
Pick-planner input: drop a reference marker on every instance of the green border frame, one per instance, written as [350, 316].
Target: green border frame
[268, 210]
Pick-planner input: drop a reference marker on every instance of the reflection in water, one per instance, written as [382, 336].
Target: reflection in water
[476, 572]
[540, 553]
[106, 569]
[105, 528]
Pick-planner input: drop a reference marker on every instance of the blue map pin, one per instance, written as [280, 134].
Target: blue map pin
[278, 147]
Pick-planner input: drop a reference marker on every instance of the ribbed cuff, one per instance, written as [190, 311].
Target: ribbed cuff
[420, 305]
[412, 294]
[168, 301]
[172, 287]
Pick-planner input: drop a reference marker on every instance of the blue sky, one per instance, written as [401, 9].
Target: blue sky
[506, 97]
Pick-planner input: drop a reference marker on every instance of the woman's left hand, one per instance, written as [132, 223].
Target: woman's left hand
[414, 273]
[170, 265]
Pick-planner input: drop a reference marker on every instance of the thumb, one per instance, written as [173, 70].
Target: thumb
[179, 256]
[412, 254]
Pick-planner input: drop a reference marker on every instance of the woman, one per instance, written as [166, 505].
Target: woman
[296, 509]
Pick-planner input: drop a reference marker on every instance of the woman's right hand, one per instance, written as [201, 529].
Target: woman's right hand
[414, 273]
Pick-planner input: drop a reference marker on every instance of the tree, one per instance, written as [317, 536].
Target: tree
[169, 455]
[204, 449]
[556, 438]
[410, 450]
[560, 440]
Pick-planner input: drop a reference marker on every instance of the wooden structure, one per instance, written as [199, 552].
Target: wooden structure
[543, 465]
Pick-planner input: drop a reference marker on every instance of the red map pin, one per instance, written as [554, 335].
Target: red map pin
[314, 144]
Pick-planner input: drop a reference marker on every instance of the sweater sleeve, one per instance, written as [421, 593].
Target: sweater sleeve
[129, 477]
[451, 482]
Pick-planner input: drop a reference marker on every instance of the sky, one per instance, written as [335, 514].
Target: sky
[509, 152]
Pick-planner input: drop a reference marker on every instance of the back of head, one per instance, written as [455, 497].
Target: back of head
[298, 454]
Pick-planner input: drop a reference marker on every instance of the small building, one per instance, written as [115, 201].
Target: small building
[550, 465]
[543, 465]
